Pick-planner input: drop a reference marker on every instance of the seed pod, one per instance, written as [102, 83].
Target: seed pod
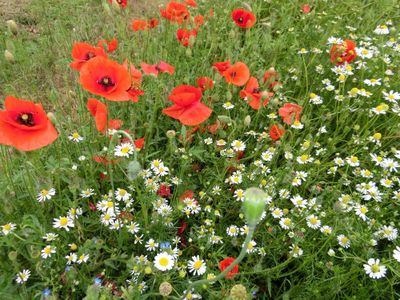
[254, 204]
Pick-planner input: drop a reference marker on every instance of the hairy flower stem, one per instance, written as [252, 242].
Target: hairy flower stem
[230, 267]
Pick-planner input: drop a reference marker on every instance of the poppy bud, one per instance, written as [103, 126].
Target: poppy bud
[52, 117]
[254, 204]
[247, 120]
[133, 169]
[165, 288]
[12, 26]
[9, 56]
[188, 52]
[12, 255]
[171, 134]
[225, 119]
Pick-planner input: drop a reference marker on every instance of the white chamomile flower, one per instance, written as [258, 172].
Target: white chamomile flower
[238, 145]
[164, 262]
[396, 253]
[71, 258]
[45, 195]
[48, 251]
[87, 193]
[23, 276]
[75, 137]
[83, 258]
[122, 195]
[63, 222]
[8, 228]
[124, 150]
[295, 250]
[374, 269]
[343, 241]
[228, 105]
[197, 266]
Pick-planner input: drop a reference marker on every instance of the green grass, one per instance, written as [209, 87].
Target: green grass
[41, 73]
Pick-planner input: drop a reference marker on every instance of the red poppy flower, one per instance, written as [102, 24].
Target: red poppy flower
[243, 18]
[237, 74]
[186, 37]
[205, 83]
[276, 132]
[164, 190]
[306, 8]
[199, 20]
[186, 194]
[134, 94]
[191, 3]
[187, 107]
[290, 112]
[341, 53]
[139, 143]
[162, 67]
[106, 78]
[25, 125]
[223, 264]
[135, 74]
[100, 113]
[104, 160]
[175, 12]
[111, 45]
[139, 25]
[254, 95]
[121, 3]
[270, 75]
[222, 66]
[153, 23]
[82, 52]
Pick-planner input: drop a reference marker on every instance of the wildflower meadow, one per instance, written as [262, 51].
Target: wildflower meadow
[200, 149]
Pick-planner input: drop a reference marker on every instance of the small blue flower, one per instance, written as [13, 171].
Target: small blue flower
[67, 268]
[97, 281]
[164, 245]
[46, 292]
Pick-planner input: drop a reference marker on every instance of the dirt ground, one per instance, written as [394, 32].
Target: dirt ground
[10, 8]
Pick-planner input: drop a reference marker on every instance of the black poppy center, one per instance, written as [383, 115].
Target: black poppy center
[26, 119]
[256, 90]
[90, 55]
[240, 20]
[106, 82]
[233, 74]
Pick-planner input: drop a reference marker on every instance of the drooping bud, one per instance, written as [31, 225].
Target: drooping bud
[12, 26]
[254, 204]
[247, 120]
[165, 288]
[9, 56]
[133, 169]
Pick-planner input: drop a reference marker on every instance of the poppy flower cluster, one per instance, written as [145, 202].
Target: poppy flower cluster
[140, 25]
[175, 12]
[187, 107]
[342, 53]
[25, 125]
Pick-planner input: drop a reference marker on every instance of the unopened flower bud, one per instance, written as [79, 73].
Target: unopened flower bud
[52, 117]
[9, 56]
[247, 120]
[165, 288]
[254, 204]
[171, 134]
[12, 26]
[238, 292]
[134, 169]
